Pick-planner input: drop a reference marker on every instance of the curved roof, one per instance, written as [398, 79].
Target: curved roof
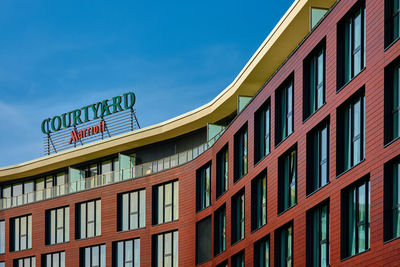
[290, 31]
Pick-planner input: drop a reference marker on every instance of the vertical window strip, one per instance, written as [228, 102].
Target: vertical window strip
[167, 212]
[22, 236]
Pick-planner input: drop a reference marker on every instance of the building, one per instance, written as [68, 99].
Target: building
[296, 163]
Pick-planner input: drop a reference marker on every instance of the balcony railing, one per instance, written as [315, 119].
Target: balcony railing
[107, 178]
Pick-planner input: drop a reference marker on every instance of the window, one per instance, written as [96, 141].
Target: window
[21, 233]
[132, 210]
[57, 226]
[54, 259]
[392, 200]
[223, 264]
[203, 186]
[165, 202]
[318, 236]
[238, 216]
[222, 171]
[25, 262]
[284, 246]
[259, 201]
[314, 81]
[203, 240]
[2, 264]
[240, 155]
[126, 253]
[284, 110]
[287, 176]
[261, 252]
[355, 218]
[2, 237]
[351, 44]
[94, 256]
[392, 21]
[88, 216]
[318, 157]
[350, 133]
[165, 249]
[262, 131]
[238, 259]
[219, 230]
[392, 101]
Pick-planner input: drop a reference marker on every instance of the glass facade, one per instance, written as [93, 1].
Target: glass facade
[88, 219]
[284, 111]
[21, 233]
[127, 253]
[259, 201]
[220, 230]
[222, 171]
[238, 217]
[262, 131]
[54, 259]
[94, 256]
[166, 202]
[287, 180]
[57, 226]
[318, 236]
[284, 246]
[240, 155]
[132, 210]
[203, 187]
[165, 249]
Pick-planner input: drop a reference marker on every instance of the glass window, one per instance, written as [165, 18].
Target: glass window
[350, 135]
[89, 219]
[392, 21]
[240, 155]
[21, 233]
[165, 249]
[132, 210]
[261, 252]
[223, 264]
[238, 259]
[284, 246]
[287, 180]
[351, 44]
[355, 218]
[2, 264]
[238, 217]
[2, 237]
[222, 171]
[127, 253]
[219, 230]
[314, 80]
[166, 202]
[203, 240]
[25, 262]
[318, 236]
[284, 111]
[262, 127]
[392, 200]
[94, 256]
[29, 188]
[57, 226]
[54, 259]
[392, 102]
[203, 185]
[318, 157]
[259, 201]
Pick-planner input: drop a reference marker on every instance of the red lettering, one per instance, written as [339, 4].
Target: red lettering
[74, 137]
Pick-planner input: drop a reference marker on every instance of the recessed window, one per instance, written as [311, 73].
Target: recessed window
[21, 233]
[261, 252]
[351, 44]
[222, 171]
[132, 210]
[392, 21]
[219, 230]
[165, 202]
[287, 180]
[2, 237]
[238, 216]
[238, 259]
[259, 201]
[262, 131]
[241, 149]
[203, 187]
[56, 259]
[88, 216]
[165, 249]
[25, 262]
[355, 218]
[94, 256]
[318, 157]
[392, 200]
[223, 264]
[314, 81]
[203, 240]
[392, 101]
[318, 236]
[350, 133]
[284, 110]
[284, 246]
[57, 226]
[126, 253]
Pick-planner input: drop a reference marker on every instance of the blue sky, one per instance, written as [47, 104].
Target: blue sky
[56, 56]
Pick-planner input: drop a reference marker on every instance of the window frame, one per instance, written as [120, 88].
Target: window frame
[220, 230]
[222, 174]
[292, 178]
[390, 15]
[280, 93]
[121, 210]
[96, 224]
[83, 255]
[238, 222]
[65, 227]
[174, 206]
[278, 244]
[28, 235]
[241, 150]
[116, 256]
[262, 131]
[258, 209]
[61, 256]
[173, 246]
[389, 198]
[202, 200]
